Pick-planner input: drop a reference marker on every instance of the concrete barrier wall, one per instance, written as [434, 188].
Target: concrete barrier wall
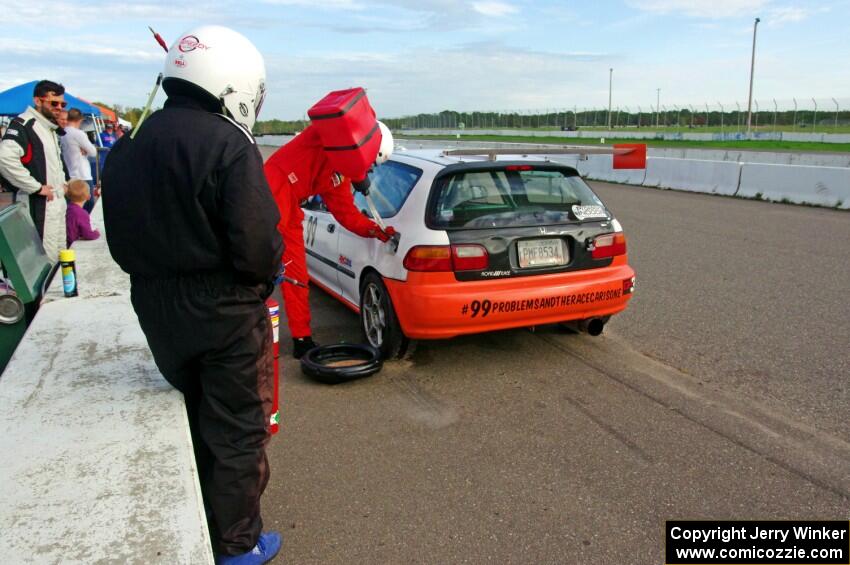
[823, 137]
[814, 178]
[825, 186]
[98, 464]
[715, 177]
[742, 156]
[739, 155]
[600, 167]
[735, 155]
[568, 160]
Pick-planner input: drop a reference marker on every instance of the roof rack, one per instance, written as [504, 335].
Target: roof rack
[525, 151]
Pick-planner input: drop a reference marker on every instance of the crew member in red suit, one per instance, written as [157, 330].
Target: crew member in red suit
[295, 172]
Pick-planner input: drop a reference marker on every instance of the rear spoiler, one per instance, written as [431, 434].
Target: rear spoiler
[626, 155]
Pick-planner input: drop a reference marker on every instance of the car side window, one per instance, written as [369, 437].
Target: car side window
[391, 185]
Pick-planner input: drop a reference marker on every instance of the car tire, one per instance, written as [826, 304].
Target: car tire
[378, 321]
[342, 362]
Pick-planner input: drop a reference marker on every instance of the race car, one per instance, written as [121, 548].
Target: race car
[487, 242]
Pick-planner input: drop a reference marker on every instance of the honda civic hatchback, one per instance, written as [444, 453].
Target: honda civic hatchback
[486, 243]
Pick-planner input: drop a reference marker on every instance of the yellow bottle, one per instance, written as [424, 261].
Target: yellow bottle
[67, 261]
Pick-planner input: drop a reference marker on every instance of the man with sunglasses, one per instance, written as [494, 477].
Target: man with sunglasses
[31, 164]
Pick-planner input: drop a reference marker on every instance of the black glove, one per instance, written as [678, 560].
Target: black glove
[362, 186]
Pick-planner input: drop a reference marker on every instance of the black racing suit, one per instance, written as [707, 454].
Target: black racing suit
[190, 217]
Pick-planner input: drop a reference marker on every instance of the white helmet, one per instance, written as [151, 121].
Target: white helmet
[222, 63]
[386, 148]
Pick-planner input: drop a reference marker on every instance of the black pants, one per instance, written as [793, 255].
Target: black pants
[211, 339]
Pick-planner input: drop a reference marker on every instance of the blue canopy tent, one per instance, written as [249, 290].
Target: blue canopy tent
[16, 99]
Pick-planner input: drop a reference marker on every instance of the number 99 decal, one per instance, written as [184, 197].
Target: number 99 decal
[481, 307]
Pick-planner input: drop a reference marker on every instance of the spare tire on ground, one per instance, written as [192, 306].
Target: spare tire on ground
[342, 362]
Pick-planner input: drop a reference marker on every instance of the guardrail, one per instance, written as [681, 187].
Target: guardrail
[97, 457]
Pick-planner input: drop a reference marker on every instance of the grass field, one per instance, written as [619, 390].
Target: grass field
[800, 146]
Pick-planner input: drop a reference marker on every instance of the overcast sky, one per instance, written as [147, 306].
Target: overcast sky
[429, 55]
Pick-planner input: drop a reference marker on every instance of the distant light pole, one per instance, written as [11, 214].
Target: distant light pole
[752, 70]
[610, 86]
[721, 118]
[835, 128]
[657, 105]
[815, 116]
[775, 111]
[738, 116]
[640, 111]
[794, 127]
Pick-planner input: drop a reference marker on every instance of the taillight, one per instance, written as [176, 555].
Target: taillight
[464, 257]
[608, 245]
[428, 258]
[469, 257]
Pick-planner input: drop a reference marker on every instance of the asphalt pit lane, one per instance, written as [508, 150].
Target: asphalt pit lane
[423, 408]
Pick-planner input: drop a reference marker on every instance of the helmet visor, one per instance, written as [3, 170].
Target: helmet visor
[260, 98]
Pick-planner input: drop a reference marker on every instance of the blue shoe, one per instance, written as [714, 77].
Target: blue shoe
[267, 547]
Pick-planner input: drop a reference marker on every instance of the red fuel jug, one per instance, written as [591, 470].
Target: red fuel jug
[349, 131]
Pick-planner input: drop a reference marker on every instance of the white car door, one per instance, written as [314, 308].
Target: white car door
[392, 182]
[321, 236]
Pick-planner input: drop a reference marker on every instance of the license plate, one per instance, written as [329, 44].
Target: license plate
[541, 253]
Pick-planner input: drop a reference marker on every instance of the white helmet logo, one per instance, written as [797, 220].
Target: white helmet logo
[243, 109]
[188, 43]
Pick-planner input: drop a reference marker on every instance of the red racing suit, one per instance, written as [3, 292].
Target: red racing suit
[295, 172]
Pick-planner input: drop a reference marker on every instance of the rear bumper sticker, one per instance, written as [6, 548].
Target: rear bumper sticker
[484, 308]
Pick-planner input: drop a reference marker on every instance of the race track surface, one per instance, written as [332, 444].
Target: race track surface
[720, 394]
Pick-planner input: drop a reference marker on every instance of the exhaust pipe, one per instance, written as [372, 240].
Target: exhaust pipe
[592, 326]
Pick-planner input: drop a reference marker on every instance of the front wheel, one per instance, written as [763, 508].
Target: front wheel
[378, 320]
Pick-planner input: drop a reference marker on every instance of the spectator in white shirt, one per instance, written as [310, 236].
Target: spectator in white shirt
[76, 149]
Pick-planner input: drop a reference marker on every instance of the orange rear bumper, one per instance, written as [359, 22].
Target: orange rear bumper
[436, 305]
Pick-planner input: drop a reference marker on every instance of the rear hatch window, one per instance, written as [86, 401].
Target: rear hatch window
[512, 196]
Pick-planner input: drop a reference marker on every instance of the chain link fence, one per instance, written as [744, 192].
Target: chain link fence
[809, 115]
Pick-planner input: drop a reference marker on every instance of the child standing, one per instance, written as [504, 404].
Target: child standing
[77, 220]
